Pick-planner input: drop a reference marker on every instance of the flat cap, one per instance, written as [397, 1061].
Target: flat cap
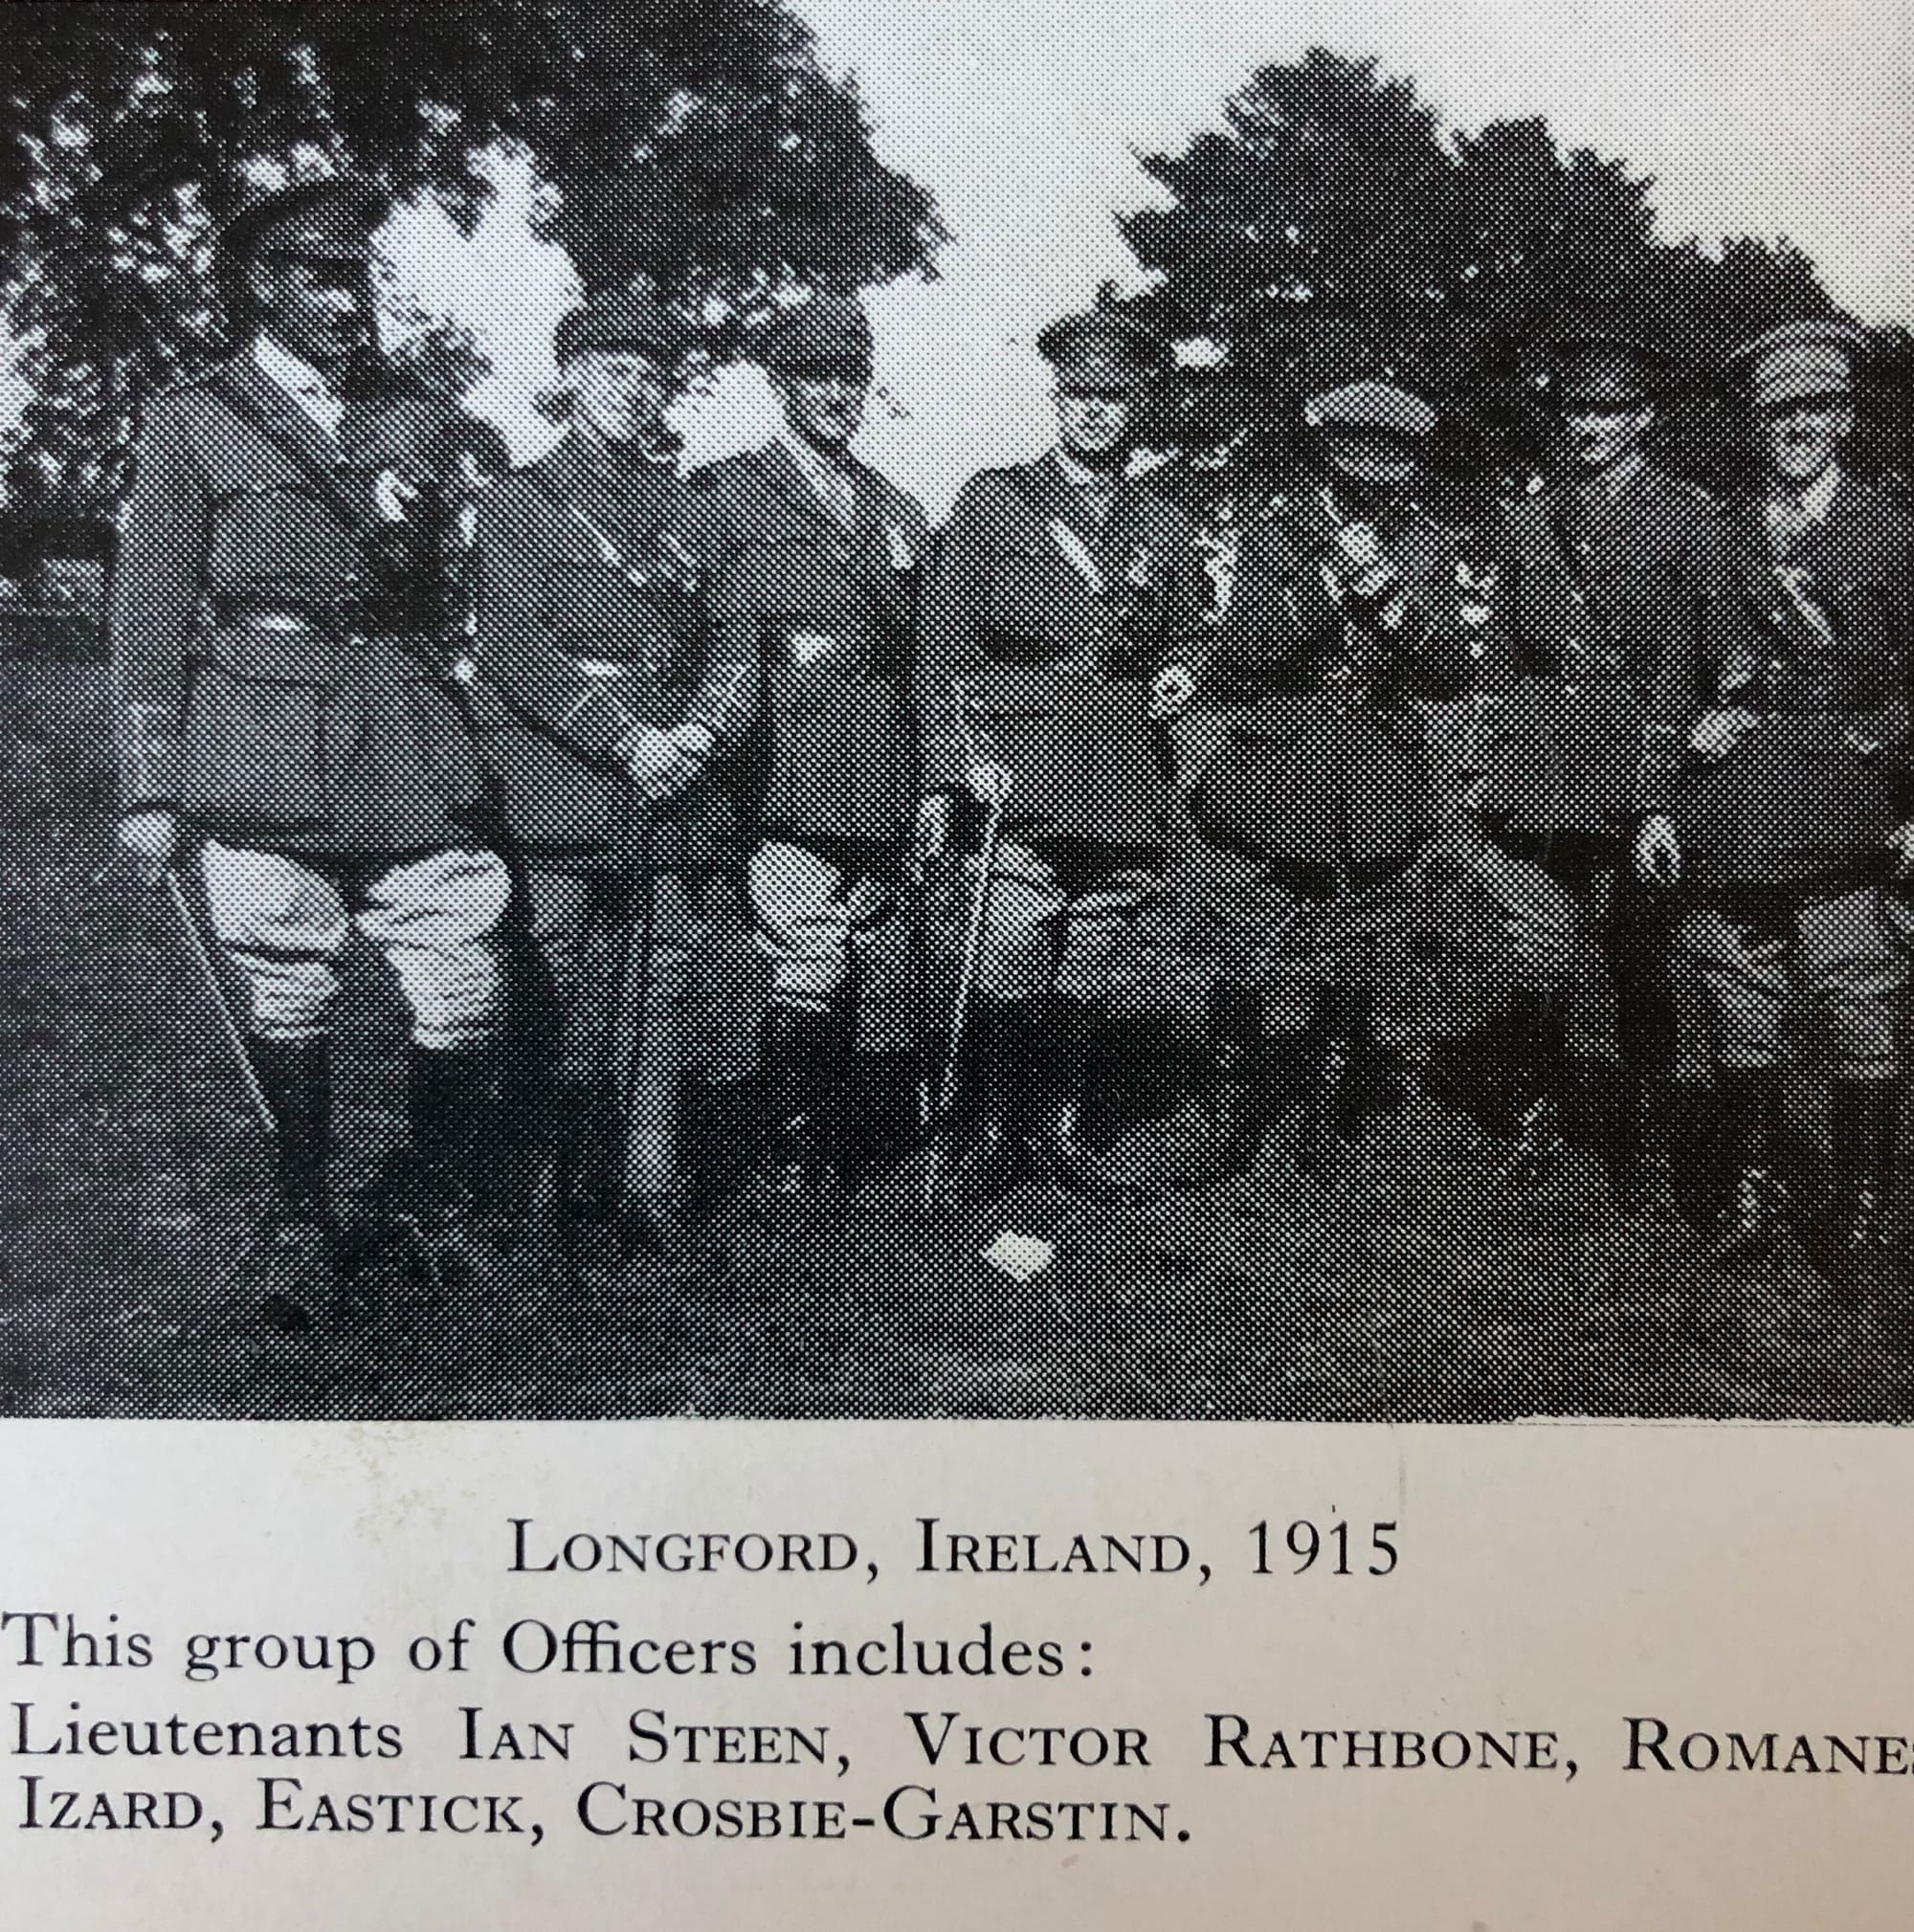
[1374, 408]
[316, 221]
[825, 332]
[621, 320]
[1102, 346]
[1600, 369]
[1802, 362]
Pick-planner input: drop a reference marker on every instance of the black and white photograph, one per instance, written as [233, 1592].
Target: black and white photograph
[790, 709]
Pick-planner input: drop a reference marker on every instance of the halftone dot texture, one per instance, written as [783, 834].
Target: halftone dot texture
[1420, 1283]
[1303, 829]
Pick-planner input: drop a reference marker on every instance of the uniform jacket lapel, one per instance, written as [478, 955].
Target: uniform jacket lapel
[262, 399]
[1053, 500]
[575, 476]
[781, 473]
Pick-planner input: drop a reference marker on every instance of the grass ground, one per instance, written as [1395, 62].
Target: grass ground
[133, 1178]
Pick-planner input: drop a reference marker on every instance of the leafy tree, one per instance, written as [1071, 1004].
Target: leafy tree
[1334, 205]
[697, 142]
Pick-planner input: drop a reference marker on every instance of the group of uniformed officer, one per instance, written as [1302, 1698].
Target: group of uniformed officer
[1235, 772]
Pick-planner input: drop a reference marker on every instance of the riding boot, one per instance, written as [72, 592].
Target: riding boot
[802, 1072]
[449, 1095]
[295, 1076]
[1234, 1101]
[1749, 1213]
[1638, 1135]
[1851, 1240]
[301, 1240]
[1341, 1046]
[996, 1103]
[1540, 1083]
[1069, 1135]
[575, 1217]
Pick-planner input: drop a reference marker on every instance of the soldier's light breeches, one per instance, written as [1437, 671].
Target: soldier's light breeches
[1042, 938]
[1754, 954]
[807, 913]
[284, 924]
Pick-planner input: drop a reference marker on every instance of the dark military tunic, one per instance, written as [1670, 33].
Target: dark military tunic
[1033, 661]
[1324, 768]
[589, 631]
[1611, 597]
[278, 656]
[1807, 798]
[811, 626]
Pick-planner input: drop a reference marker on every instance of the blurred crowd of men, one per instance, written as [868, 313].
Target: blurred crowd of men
[1267, 774]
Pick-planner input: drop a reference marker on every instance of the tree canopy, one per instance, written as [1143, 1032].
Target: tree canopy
[1333, 202]
[700, 143]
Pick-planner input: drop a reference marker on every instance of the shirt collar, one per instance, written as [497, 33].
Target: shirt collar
[280, 366]
[1080, 475]
[1819, 497]
[827, 475]
[1609, 484]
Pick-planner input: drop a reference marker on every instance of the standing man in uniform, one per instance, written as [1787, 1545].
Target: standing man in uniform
[1355, 613]
[1615, 581]
[813, 562]
[588, 654]
[1065, 588]
[1796, 803]
[278, 666]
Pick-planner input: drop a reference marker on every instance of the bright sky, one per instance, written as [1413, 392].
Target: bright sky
[1765, 116]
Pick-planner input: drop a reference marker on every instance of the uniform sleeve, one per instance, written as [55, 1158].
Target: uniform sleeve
[1413, 627]
[900, 586]
[1529, 653]
[1899, 748]
[1702, 659]
[949, 645]
[1185, 638]
[1282, 615]
[514, 652]
[154, 608]
[1890, 725]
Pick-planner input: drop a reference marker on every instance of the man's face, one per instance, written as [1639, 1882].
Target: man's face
[1801, 440]
[619, 394]
[1599, 436]
[1094, 420]
[320, 310]
[825, 406]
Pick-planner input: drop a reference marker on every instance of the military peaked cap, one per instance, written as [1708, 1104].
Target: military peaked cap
[1372, 408]
[1600, 369]
[632, 321]
[1102, 346]
[826, 332]
[1803, 362]
[316, 221]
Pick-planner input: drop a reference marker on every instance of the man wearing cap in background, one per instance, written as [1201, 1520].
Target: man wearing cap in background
[276, 631]
[1613, 580]
[812, 564]
[1795, 805]
[1065, 588]
[1354, 610]
[588, 654]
